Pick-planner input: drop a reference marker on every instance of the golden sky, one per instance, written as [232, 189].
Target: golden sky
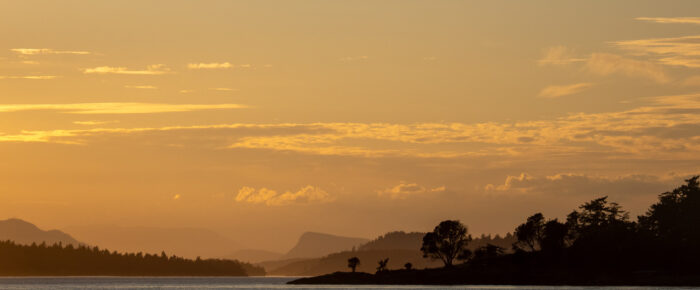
[265, 119]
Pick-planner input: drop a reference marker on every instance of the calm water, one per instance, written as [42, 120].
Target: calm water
[222, 283]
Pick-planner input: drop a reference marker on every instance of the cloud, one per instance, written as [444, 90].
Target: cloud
[211, 65]
[36, 51]
[675, 51]
[156, 69]
[92, 123]
[116, 108]
[559, 91]
[29, 77]
[306, 195]
[567, 184]
[140, 87]
[223, 89]
[607, 64]
[559, 55]
[186, 91]
[404, 190]
[663, 128]
[674, 20]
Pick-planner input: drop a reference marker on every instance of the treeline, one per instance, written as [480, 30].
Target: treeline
[399, 240]
[60, 260]
[600, 236]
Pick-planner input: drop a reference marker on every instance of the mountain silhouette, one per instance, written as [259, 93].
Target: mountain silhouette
[22, 232]
[185, 242]
[313, 245]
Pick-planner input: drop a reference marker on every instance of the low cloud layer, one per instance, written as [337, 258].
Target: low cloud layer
[211, 65]
[305, 195]
[37, 51]
[155, 69]
[115, 108]
[566, 184]
[565, 90]
[404, 190]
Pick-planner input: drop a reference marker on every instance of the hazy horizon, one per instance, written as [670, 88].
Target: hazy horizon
[261, 120]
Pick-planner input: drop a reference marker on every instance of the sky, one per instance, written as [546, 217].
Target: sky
[265, 119]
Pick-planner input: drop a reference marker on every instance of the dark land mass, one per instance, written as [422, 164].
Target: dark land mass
[598, 244]
[60, 260]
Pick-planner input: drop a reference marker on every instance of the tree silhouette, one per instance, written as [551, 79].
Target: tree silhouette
[353, 263]
[408, 266]
[530, 233]
[447, 242]
[553, 237]
[677, 214]
[382, 265]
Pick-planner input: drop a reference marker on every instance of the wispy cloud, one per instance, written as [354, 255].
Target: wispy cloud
[306, 195]
[116, 108]
[223, 89]
[404, 190]
[211, 65]
[674, 20]
[565, 90]
[140, 87]
[674, 51]
[156, 69]
[607, 64]
[559, 55]
[29, 77]
[93, 123]
[580, 184]
[666, 128]
[35, 51]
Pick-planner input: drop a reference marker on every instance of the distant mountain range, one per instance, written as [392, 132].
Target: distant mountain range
[312, 245]
[184, 242]
[22, 232]
[309, 245]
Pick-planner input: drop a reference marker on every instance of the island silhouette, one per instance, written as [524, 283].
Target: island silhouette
[597, 244]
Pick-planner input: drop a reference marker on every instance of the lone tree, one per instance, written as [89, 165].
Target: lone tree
[382, 265]
[353, 262]
[408, 266]
[447, 242]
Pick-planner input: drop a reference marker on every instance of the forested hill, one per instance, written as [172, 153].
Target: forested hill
[59, 260]
[400, 240]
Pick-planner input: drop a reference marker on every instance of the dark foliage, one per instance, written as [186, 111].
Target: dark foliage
[447, 242]
[59, 260]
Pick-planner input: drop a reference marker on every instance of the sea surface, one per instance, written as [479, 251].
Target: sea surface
[229, 283]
